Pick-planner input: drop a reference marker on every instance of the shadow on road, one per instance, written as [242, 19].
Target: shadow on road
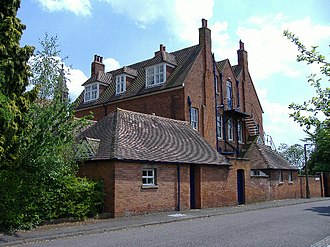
[325, 211]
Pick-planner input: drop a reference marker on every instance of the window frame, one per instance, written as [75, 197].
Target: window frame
[239, 132]
[229, 94]
[120, 84]
[219, 127]
[280, 176]
[194, 118]
[148, 176]
[290, 177]
[93, 93]
[155, 78]
[230, 126]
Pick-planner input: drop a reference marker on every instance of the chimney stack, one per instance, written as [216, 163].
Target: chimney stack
[97, 65]
[205, 35]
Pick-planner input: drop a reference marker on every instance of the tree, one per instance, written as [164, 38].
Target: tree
[294, 154]
[45, 185]
[314, 115]
[14, 73]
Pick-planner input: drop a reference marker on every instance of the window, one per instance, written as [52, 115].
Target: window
[91, 92]
[230, 130]
[155, 75]
[239, 132]
[216, 84]
[280, 176]
[120, 84]
[149, 177]
[229, 94]
[219, 126]
[290, 177]
[258, 173]
[194, 118]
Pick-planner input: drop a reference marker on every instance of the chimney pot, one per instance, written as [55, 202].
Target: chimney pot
[241, 45]
[95, 57]
[204, 23]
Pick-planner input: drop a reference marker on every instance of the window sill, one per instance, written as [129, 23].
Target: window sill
[290, 182]
[149, 186]
[280, 183]
[259, 176]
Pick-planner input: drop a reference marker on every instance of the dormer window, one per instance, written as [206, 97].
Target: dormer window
[155, 75]
[120, 84]
[91, 92]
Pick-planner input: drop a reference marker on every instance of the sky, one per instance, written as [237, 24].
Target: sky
[128, 31]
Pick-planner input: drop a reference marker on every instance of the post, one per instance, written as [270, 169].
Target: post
[306, 169]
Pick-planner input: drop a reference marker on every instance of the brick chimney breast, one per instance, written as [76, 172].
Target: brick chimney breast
[97, 65]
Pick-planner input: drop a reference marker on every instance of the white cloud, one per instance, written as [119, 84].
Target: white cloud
[78, 7]
[111, 64]
[76, 79]
[273, 53]
[278, 124]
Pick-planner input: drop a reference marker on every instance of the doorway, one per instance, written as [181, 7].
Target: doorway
[240, 187]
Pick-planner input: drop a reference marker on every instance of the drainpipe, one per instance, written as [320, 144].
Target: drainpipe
[189, 104]
[216, 104]
[238, 100]
[179, 188]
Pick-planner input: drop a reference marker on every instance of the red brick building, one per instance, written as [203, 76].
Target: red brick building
[218, 100]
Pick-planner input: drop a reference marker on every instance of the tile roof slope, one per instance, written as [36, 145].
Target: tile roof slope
[127, 135]
[221, 64]
[102, 77]
[270, 159]
[237, 70]
[184, 58]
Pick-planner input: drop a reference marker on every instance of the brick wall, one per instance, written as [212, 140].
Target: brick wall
[101, 170]
[219, 184]
[314, 185]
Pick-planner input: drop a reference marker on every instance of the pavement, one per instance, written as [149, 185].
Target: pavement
[92, 226]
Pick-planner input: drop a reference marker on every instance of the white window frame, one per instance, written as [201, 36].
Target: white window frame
[230, 126]
[280, 176]
[120, 84]
[91, 92]
[290, 177]
[194, 118]
[156, 75]
[239, 132]
[219, 126]
[229, 94]
[148, 177]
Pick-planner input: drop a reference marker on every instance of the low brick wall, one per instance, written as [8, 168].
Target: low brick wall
[314, 182]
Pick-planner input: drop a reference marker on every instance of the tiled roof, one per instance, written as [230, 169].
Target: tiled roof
[237, 70]
[126, 135]
[184, 60]
[102, 77]
[221, 65]
[263, 157]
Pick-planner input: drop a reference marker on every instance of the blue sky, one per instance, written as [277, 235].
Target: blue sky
[128, 31]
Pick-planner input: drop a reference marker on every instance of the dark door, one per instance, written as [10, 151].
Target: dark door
[192, 187]
[240, 187]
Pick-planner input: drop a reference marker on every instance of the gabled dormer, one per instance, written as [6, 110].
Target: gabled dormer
[98, 82]
[123, 78]
[159, 68]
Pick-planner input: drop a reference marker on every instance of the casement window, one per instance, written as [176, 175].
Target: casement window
[280, 176]
[230, 129]
[149, 177]
[120, 84]
[258, 173]
[194, 118]
[219, 127]
[155, 75]
[216, 84]
[91, 92]
[290, 177]
[229, 94]
[239, 132]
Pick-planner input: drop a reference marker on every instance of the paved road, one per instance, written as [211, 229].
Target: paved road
[296, 225]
